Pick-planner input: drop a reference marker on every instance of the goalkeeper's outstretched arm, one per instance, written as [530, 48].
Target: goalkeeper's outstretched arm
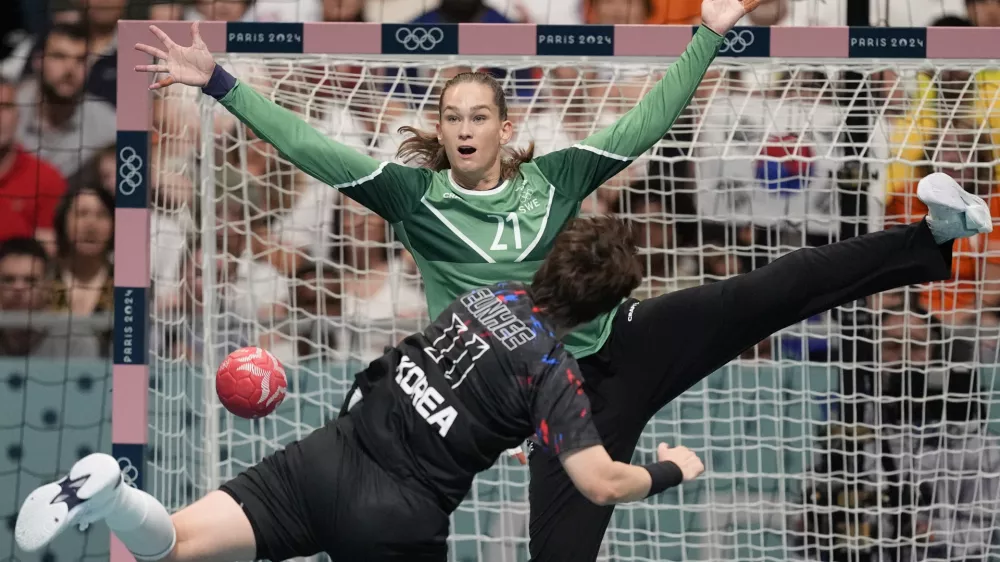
[390, 190]
[581, 169]
[607, 482]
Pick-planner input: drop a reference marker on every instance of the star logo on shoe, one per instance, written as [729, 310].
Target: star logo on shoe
[68, 489]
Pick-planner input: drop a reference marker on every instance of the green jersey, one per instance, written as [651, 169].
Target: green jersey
[463, 239]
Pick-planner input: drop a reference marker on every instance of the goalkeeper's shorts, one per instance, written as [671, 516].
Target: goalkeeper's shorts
[326, 494]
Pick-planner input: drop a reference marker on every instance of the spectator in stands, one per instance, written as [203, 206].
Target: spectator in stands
[341, 97]
[461, 11]
[984, 13]
[937, 440]
[212, 10]
[247, 288]
[951, 21]
[376, 292]
[99, 18]
[291, 212]
[937, 97]
[932, 459]
[56, 122]
[172, 217]
[973, 297]
[668, 12]
[725, 251]
[628, 82]
[308, 323]
[662, 214]
[344, 10]
[84, 226]
[911, 13]
[24, 288]
[29, 188]
[183, 334]
[648, 214]
[158, 10]
[67, 11]
[251, 10]
[99, 171]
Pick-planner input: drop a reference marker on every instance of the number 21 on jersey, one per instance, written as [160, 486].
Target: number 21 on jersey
[501, 223]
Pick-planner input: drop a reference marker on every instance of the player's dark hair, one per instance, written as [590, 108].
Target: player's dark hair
[23, 246]
[74, 31]
[951, 21]
[423, 146]
[591, 267]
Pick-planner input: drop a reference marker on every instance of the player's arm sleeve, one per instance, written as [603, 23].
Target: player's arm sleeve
[390, 190]
[560, 410]
[582, 168]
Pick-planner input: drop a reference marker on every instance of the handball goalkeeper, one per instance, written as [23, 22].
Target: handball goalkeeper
[380, 481]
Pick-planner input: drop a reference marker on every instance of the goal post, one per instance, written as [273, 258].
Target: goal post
[220, 242]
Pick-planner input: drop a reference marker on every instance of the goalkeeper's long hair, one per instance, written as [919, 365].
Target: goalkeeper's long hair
[423, 147]
[591, 267]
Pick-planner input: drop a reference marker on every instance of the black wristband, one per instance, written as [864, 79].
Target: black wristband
[220, 83]
[665, 475]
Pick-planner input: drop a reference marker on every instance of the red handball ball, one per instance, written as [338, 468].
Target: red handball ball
[250, 383]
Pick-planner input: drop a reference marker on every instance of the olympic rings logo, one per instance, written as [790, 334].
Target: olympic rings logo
[736, 42]
[419, 38]
[129, 472]
[130, 171]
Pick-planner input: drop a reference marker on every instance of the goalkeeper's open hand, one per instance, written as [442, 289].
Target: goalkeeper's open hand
[721, 15]
[185, 65]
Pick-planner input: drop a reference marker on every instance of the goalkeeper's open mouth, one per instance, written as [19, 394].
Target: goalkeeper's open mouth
[466, 150]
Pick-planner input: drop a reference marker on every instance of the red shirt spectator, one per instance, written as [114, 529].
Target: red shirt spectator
[30, 189]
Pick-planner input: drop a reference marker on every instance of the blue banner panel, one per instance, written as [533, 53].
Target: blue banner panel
[888, 42]
[132, 461]
[576, 40]
[413, 39]
[251, 37]
[132, 173]
[131, 322]
[746, 42]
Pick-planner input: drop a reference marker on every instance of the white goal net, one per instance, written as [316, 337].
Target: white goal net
[870, 433]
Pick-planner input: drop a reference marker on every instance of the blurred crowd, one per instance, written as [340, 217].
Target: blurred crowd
[759, 164]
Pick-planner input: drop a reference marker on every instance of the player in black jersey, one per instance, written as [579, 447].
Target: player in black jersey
[381, 480]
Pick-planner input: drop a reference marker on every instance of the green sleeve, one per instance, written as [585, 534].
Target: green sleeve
[390, 190]
[582, 168]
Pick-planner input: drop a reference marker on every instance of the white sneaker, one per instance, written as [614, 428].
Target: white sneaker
[83, 496]
[953, 212]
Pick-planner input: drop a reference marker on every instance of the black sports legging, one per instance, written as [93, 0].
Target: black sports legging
[662, 346]
[669, 343]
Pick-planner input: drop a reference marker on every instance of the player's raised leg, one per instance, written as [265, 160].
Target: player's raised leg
[694, 332]
[662, 346]
[214, 529]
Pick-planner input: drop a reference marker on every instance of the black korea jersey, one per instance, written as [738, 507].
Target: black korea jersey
[486, 374]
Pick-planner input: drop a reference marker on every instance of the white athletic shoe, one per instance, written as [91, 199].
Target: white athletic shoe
[953, 212]
[83, 496]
